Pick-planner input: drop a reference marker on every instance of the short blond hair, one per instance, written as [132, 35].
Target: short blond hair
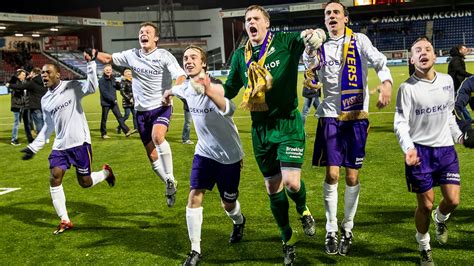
[260, 8]
[153, 25]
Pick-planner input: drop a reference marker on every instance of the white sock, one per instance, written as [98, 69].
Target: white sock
[351, 200]
[330, 204]
[423, 241]
[194, 221]
[235, 214]
[158, 169]
[99, 176]
[439, 217]
[166, 160]
[59, 202]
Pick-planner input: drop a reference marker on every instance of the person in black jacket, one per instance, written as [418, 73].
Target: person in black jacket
[457, 69]
[32, 106]
[108, 100]
[127, 99]
[462, 99]
[17, 103]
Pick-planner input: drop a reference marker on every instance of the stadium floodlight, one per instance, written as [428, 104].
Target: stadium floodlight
[3, 28]
[35, 35]
[54, 29]
[19, 34]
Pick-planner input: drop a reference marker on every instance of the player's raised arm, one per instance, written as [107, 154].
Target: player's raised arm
[92, 82]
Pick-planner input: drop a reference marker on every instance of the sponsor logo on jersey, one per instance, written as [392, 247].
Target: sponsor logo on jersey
[61, 106]
[271, 51]
[271, 65]
[201, 110]
[432, 109]
[145, 71]
[331, 63]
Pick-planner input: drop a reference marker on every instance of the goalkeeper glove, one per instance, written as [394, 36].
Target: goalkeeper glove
[468, 138]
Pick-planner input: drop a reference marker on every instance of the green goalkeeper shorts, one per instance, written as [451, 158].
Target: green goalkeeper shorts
[278, 140]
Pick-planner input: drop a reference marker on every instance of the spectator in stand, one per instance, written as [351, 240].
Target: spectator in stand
[32, 104]
[457, 70]
[17, 103]
[108, 100]
[127, 99]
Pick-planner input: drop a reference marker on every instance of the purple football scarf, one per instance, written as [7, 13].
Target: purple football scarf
[352, 87]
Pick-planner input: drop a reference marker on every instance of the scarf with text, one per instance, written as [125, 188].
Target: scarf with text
[259, 78]
[352, 85]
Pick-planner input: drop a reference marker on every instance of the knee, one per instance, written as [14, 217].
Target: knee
[426, 208]
[332, 177]
[85, 183]
[452, 202]
[352, 180]
[158, 139]
[228, 206]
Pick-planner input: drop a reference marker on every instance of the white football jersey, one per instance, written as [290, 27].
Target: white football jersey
[152, 73]
[218, 137]
[424, 112]
[63, 113]
[331, 68]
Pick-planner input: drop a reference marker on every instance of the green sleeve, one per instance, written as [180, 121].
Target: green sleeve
[294, 41]
[234, 80]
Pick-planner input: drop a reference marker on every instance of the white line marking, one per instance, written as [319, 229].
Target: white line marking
[5, 190]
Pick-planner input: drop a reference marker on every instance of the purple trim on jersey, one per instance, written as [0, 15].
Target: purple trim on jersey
[206, 173]
[147, 119]
[345, 141]
[80, 157]
[439, 166]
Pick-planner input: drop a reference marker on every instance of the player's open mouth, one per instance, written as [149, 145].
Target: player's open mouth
[189, 67]
[332, 22]
[144, 40]
[253, 30]
[424, 60]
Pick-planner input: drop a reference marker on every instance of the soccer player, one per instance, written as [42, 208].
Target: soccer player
[153, 70]
[218, 154]
[268, 69]
[341, 64]
[63, 113]
[426, 130]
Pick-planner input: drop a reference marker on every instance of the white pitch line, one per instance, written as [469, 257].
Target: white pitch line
[8, 190]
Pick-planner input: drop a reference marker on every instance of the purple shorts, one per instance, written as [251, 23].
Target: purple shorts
[147, 119]
[207, 172]
[80, 157]
[439, 166]
[340, 143]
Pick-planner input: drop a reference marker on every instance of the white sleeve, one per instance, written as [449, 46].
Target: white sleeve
[376, 58]
[121, 58]
[309, 60]
[173, 67]
[44, 134]
[229, 108]
[453, 125]
[401, 124]
[92, 83]
[178, 90]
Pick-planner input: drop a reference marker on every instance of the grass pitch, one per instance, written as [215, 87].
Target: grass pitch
[131, 224]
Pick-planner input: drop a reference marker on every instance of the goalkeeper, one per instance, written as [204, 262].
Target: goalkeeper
[267, 67]
[426, 130]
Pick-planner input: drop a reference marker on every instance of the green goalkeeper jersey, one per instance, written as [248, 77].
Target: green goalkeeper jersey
[282, 61]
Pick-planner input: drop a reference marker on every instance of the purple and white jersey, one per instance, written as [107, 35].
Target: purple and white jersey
[63, 113]
[151, 72]
[331, 68]
[424, 112]
[218, 137]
